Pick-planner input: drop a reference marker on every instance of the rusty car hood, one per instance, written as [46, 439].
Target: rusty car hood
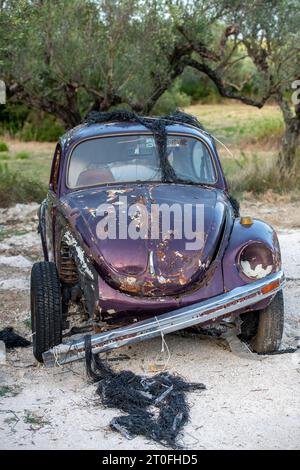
[147, 267]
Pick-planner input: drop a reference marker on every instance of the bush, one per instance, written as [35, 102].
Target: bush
[3, 147]
[198, 87]
[41, 129]
[18, 120]
[4, 156]
[264, 129]
[255, 175]
[171, 100]
[22, 155]
[15, 188]
[12, 117]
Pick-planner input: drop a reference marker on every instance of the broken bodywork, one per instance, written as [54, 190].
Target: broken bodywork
[152, 286]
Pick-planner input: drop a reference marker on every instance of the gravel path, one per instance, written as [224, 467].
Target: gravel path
[251, 402]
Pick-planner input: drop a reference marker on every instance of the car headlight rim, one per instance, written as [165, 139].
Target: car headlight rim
[255, 261]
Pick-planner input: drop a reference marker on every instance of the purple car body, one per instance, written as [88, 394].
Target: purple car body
[114, 277]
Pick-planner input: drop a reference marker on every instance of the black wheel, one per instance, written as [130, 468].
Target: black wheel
[46, 311]
[263, 329]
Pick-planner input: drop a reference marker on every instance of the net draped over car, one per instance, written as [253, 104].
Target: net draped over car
[131, 158]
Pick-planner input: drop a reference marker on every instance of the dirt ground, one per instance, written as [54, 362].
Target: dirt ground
[251, 402]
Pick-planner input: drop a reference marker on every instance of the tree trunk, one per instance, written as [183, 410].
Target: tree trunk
[288, 158]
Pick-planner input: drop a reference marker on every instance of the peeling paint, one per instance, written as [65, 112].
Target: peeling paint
[71, 241]
[131, 280]
[258, 272]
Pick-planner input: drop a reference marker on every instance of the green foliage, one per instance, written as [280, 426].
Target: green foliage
[198, 87]
[4, 156]
[27, 322]
[254, 131]
[16, 188]
[251, 173]
[171, 100]
[40, 127]
[34, 419]
[23, 155]
[29, 125]
[3, 147]
[12, 117]
[85, 52]
[9, 391]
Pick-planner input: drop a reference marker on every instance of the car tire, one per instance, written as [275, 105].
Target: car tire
[46, 309]
[263, 329]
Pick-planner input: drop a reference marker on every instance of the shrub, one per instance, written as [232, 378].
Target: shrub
[20, 121]
[4, 156]
[41, 128]
[253, 174]
[3, 147]
[13, 117]
[22, 155]
[171, 100]
[15, 188]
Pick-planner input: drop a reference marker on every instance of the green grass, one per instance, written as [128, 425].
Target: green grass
[22, 155]
[27, 322]
[8, 391]
[238, 124]
[3, 147]
[12, 420]
[34, 420]
[28, 168]
[36, 167]
[252, 132]
[253, 136]
[17, 187]
[256, 173]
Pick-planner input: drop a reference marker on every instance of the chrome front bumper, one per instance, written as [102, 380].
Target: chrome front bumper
[203, 312]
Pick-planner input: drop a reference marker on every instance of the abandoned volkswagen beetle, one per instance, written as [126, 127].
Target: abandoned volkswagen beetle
[112, 179]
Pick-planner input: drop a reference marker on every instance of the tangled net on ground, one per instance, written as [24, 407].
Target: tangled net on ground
[12, 340]
[156, 406]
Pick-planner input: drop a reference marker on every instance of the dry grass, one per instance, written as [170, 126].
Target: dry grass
[235, 122]
[36, 165]
[253, 138]
[252, 135]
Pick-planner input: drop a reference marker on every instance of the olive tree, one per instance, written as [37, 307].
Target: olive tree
[68, 58]
[267, 34]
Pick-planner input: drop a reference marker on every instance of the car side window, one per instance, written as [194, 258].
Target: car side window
[55, 169]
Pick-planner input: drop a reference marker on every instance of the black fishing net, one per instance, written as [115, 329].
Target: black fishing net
[235, 205]
[157, 125]
[12, 339]
[156, 406]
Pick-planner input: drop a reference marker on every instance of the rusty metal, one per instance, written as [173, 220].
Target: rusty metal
[68, 273]
[200, 313]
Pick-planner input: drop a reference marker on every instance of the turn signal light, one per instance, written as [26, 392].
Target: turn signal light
[246, 220]
[269, 287]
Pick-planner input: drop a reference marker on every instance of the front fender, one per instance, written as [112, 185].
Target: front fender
[42, 228]
[240, 236]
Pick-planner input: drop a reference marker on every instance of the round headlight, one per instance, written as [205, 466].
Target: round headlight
[255, 260]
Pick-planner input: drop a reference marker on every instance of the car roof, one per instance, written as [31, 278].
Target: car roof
[86, 131]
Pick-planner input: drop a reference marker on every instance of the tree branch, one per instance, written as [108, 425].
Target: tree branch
[224, 91]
